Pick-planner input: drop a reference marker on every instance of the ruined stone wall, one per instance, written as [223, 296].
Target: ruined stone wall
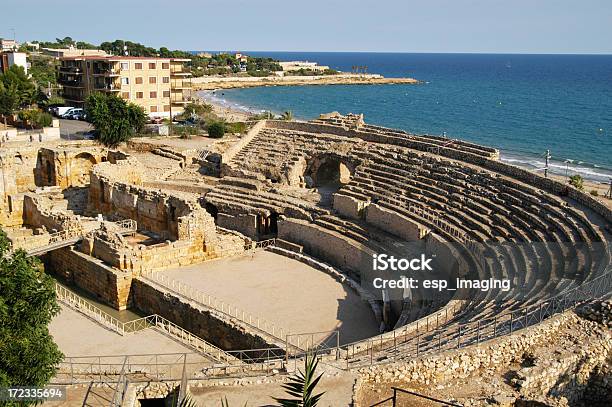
[37, 212]
[562, 373]
[153, 210]
[110, 285]
[163, 256]
[68, 167]
[332, 247]
[243, 223]
[349, 206]
[18, 170]
[11, 213]
[394, 223]
[153, 299]
[115, 251]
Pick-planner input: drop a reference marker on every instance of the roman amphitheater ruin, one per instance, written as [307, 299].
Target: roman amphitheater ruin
[240, 256]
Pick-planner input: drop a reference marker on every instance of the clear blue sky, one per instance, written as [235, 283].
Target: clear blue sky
[515, 26]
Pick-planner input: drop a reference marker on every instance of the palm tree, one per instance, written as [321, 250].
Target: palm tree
[302, 385]
[186, 402]
[287, 116]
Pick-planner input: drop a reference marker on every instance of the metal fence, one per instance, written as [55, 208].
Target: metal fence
[394, 399]
[428, 339]
[152, 321]
[445, 334]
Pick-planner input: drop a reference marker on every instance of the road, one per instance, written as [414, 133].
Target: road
[73, 129]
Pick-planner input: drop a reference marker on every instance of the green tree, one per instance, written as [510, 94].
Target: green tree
[43, 69]
[577, 181]
[27, 305]
[114, 119]
[16, 90]
[54, 100]
[302, 386]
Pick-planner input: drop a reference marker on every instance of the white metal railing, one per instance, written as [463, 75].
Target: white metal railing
[85, 307]
[176, 332]
[182, 335]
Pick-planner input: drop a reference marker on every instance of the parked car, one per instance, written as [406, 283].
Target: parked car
[61, 110]
[156, 120]
[78, 115]
[90, 135]
[190, 122]
[74, 114]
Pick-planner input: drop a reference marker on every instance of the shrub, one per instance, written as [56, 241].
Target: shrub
[262, 116]
[216, 129]
[577, 181]
[184, 132]
[594, 192]
[34, 118]
[44, 119]
[235, 127]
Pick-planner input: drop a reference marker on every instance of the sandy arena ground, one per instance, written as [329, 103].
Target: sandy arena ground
[77, 335]
[283, 291]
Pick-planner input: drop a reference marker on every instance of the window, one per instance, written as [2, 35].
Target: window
[166, 108]
[125, 95]
[138, 95]
[166, 79]
[166, 93]
[165, 65]
[151, 65]
[139, 80]
[138, 65]
[153, 109]
[125, 65]
[152, 79]
[153, 95]
[125, 81]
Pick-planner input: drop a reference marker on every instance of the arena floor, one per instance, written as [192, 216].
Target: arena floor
[285, 292]
[77, 335]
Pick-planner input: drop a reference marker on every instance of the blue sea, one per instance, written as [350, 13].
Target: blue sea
[521, 104]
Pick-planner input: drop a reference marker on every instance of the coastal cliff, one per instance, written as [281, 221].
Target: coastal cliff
[217, 82]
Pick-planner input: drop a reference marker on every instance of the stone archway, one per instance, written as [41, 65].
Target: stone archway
[81, 167]
[327, 173]
[329, 169]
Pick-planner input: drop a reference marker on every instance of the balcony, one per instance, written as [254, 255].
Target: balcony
[107, 88]
[180, 85]
[72, 70]
[179, 73]
[71, 83]
[107, 73]
[179, 101]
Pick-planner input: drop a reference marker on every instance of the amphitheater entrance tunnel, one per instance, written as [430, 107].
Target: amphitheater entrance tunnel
[327, 174]
[329, 170]
[267, 226]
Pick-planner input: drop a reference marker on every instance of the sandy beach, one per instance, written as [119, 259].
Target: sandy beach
[224, 112]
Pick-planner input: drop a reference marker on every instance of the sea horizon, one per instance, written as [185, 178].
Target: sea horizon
[258, 52]
[522, 104]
